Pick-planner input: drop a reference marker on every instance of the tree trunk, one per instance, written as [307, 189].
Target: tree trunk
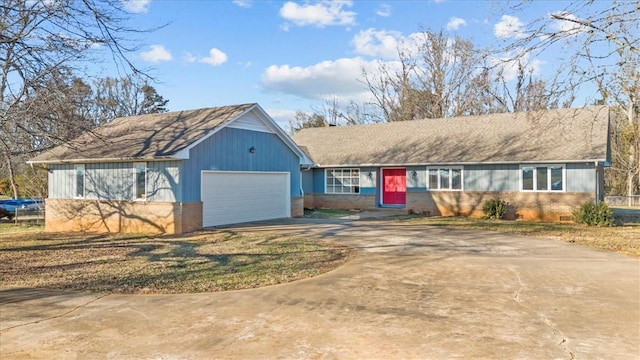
[12, 177]
[632, 158]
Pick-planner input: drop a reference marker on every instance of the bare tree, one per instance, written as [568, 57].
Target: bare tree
[125, 96]
[305, 120]
[39, 41]
[602, 43]
[430, 80]
[437, 76]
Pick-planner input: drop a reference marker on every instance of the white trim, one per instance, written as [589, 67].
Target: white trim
[464, 163]
[535, 177]
[251, 122]
[439, 185]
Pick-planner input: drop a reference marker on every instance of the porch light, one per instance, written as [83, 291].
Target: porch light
[252, 150]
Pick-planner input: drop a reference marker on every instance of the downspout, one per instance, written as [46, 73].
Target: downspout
[597, 167]
[308, 167]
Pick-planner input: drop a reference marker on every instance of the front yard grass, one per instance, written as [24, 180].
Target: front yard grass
[206, 261]
[621, 239]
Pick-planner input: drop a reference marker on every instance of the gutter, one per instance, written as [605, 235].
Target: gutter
[604, 163]
[97, 161]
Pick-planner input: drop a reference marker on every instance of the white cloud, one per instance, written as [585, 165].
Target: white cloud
[215, 58]
[383, 10]
[508, 27]
[243, 3]
[385, 44]
[136, 6]
[377, 43]
[320, 14]
[325, 80]
[455, 23]
[190, 58]
[156, 54]
[283, 117]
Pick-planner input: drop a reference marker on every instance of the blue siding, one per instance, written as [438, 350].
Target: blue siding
[318, 181]
[163, 181]
[491, 177]
[114, 181]
[228, 150]
[581, 177]
[61, 181]
[307, 181]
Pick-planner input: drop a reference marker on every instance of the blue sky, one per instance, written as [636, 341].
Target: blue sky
[290, 55]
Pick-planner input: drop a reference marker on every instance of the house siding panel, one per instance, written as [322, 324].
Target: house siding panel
[318, 181]
[581, 177]
[61, 181]
[228, 150]
[491, 177]
[307, 181]
[113, 181]
[163, 181]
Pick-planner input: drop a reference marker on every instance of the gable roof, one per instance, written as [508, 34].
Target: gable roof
[155, 136]
[566, 135]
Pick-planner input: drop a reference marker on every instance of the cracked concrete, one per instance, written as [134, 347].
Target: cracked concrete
[413, 291]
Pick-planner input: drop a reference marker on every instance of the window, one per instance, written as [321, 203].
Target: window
[542, 178]
[441, 178]
[140, 181]
[342, 181]
[79, 180]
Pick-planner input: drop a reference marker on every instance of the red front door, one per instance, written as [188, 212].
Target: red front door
[394, 186]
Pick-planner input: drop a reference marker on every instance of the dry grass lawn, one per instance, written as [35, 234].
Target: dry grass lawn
[199, 262]
[621, 239]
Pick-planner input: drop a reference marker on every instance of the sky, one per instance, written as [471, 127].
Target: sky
[293, 55]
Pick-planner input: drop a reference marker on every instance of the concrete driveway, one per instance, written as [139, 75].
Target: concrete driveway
[413, 292]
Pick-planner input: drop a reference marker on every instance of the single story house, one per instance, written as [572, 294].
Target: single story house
[544, 163]
[175, 172]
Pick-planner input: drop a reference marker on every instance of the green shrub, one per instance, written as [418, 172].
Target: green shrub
[594, 215]
[494, 209]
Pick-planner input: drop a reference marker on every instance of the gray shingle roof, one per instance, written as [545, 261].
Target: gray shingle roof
[542, 136]
[143, 137]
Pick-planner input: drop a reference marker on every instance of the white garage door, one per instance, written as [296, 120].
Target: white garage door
[230, 197]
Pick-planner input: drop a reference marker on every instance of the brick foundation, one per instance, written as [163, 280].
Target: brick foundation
[340, 201]
[122, 216]
[523, 205]
[297, 206]
[191, 216]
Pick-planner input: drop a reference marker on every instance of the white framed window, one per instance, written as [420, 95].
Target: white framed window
[543, 178]
[79, 175]
[342, 181]
[444, 178]
[140, 181]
